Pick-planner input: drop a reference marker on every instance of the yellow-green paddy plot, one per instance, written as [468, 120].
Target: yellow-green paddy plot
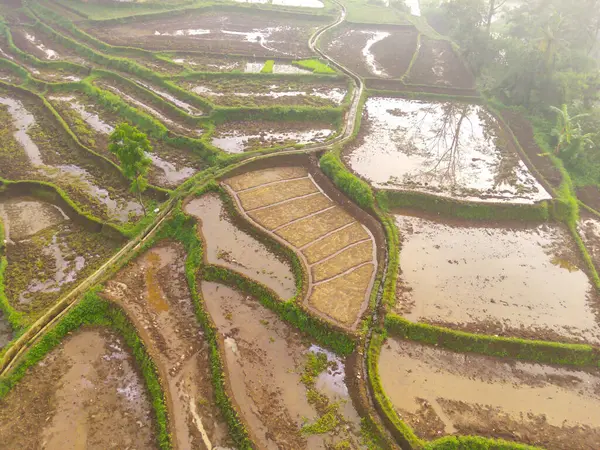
[438, 392]
[338, 251]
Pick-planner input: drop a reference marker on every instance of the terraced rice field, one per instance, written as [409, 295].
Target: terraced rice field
[338, 251]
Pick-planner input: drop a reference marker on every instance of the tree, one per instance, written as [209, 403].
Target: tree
[493, 8]
[131, 147]
[568, 130]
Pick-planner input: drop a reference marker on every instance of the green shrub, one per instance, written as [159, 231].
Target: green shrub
[350, 184]
[315, 66]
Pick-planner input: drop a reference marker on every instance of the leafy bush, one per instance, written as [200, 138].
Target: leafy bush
[315, 66]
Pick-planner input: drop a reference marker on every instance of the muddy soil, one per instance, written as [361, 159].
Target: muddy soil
[198, 62]
[42, 47]
[383, 52]
[245, 92]
[93, 124]
[154, 292]
[449, 149]
[518, 281]
[239, 137]
[439, 65]
[85, 394]
[265, 360]
[589, 230]
[35, 146]
[523, 130]
[590, 195]
[264, 34]
[5, 331]
[438, 392]
[229, 246]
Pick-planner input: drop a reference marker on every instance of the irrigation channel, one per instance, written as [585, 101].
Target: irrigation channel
[68, 301]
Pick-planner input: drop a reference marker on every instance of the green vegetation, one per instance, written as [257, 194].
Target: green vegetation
[315, 66]
[350, 184]
[268, 67]
[131, 147]
[92, 310]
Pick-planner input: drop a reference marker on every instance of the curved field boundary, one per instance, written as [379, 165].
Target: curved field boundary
[300, 220]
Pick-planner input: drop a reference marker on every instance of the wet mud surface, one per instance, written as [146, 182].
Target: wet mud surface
[84, 394]
[247, 92]
[589, 230]
[337, 250]
[93, 124]
[239, 137]
[438, 392]
[154, 292]
[518, 281]
[47, 253]
[449, 149]
[34, 146]
[439, 65]
[32, 41]
[382, 52]
[237, 33]
[229, 246]
[265, 361]
[5, 331]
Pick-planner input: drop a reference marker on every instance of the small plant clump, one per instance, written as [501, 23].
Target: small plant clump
[315, 66]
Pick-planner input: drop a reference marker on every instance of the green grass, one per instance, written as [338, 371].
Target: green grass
[268, 67]
[315, 66]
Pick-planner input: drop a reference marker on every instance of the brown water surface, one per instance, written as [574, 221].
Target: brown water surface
[524, 281]
[25, 216]
[84, 394]
[450, 149]
[231, 247]
[439, 392]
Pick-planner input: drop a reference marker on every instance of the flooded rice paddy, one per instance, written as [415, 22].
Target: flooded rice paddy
[438, 392]
[229, 246]
[237, 33]
[293, 3]
[37, 147]
[589, 230]
[235, 137]
[100, 123]
[86, 393]
[47, 254]
[337, 250]
[266, 362]
[379, 52]
[154, 292]
[518, 281]
[449, 149]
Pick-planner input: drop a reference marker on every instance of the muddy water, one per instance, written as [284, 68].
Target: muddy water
[236, 142]
[374, 67]
[514, 281]
[50, 54]
[589, 230]
[228, 246]
[23, 217]
[22, 121]
[91, 118]
[264, 361]
[448, 149]
[299, 3]
[154, 291]
[85, 394]
[439, 392]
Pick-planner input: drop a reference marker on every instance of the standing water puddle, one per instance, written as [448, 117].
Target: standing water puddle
[155, 293]
[524, 281]
[369, 56]
[236, 142]
[449, 149]
[23, 217]
[179, 103]
[229, 246]
[87, 393]
[335, 95]
[264, 360]
[439, 392]
[50, 54]
[22, 121]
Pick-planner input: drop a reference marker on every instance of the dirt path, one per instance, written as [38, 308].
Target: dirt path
[338, 251]
[85, 394]
[154, 292]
